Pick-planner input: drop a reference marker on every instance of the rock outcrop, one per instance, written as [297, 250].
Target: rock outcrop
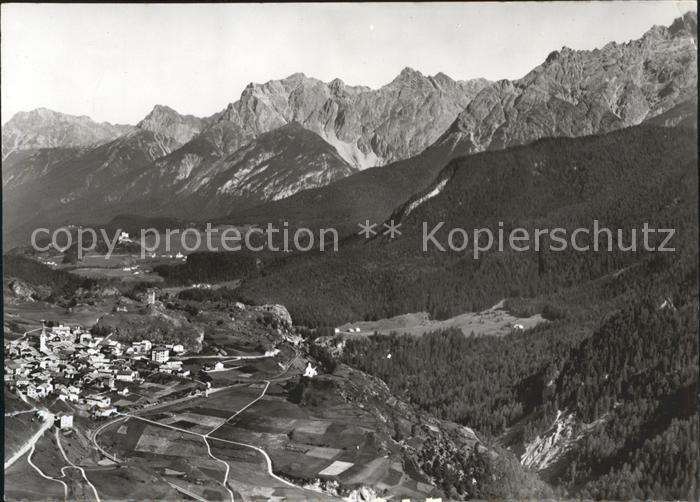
[22, 291]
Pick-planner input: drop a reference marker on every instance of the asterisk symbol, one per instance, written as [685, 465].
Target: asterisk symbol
[392, 229]
[367, 229]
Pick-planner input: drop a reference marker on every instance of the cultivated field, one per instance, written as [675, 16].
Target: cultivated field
[205, 445]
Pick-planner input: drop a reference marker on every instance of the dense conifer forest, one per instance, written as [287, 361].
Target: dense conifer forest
[627, 372]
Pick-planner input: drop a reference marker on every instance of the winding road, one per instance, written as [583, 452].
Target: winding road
[15, 413]
[24, 335]
[41, 473]
[30, 442]
[73, 466]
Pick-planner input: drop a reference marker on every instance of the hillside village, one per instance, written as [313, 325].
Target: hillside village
[66, 362]
[100, 376]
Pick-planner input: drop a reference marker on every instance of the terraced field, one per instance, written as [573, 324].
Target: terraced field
[251, 441]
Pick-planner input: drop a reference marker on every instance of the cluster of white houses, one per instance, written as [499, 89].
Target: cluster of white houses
[72, 365]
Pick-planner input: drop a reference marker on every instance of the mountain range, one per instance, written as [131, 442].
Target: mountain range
[363, 150]
[573, 93]
[576, 93]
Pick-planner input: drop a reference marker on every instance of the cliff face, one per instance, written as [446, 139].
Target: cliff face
[367, 127]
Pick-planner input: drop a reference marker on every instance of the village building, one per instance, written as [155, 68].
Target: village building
[142, 347]
[61, 331]
[106, 412]
[127, 375]
[31, 392]
[69, 393]
[44, 389]
[98, 400]
[310, 371]
[64, 421]
[160, 355]
[43, 347]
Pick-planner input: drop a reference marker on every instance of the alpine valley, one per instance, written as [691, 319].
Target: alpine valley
[381, 369]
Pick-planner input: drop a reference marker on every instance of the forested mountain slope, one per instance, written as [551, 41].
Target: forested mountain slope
[622, 179]
[601, 400]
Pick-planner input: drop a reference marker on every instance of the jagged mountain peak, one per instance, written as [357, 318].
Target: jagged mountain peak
[443, 78]
[336, 86]
[297, 76]
[164, 120]
[408, 76]
[163, 112]
[158, 108]
[682, 27]
[686, 24]
[409, 72]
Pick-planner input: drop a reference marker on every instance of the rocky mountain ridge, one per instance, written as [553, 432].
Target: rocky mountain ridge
[368, 127]
[44, 128]
[576, 93]
[274, 165]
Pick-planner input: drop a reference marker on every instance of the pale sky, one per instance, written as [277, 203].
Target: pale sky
[113, 62]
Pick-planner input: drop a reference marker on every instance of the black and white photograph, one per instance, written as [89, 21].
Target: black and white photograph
[360, 252]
